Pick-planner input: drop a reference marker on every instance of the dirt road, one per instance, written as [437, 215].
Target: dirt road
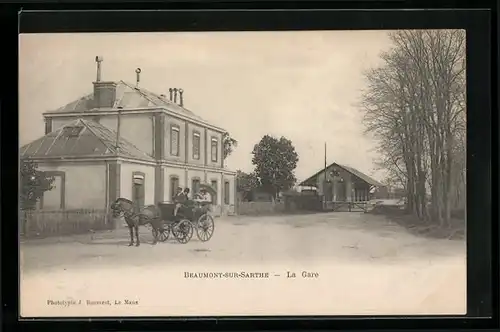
[355, 263]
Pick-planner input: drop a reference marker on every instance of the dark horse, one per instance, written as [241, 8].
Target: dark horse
[148, 215]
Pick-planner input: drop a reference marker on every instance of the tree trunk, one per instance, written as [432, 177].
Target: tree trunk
[448, 180]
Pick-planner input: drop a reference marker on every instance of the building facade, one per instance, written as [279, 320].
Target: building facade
[340, 183]
[124, 141]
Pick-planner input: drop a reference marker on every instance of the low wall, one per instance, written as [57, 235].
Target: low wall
[294, 203]
[58, 222]
[257, 208]
[219, 210]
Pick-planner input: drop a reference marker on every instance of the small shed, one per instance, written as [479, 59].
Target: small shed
[340, 183]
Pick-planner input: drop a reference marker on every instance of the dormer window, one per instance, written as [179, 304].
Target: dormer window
[73, 131]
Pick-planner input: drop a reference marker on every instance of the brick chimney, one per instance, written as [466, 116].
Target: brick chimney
[104, 92]
[176, 96]
[181, 99]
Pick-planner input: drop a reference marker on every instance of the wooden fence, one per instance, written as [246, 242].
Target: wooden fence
[63, 222]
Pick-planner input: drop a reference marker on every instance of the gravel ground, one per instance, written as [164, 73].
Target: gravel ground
[366, 265]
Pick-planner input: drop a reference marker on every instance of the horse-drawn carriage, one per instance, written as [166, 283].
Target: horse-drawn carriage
[188, 220]
[194, 217]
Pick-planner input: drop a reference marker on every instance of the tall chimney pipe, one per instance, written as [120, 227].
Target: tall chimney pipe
[98, 60]
[175, 95]
[181, 100]
[118, 125]
[324, 182]
[171, 91]
[138, 77]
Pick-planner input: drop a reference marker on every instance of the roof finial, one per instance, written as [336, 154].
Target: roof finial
[98, 60]
[138, 77]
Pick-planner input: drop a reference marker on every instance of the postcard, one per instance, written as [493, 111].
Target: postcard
[242, 173]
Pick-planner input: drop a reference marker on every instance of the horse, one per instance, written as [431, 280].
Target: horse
[148, 215]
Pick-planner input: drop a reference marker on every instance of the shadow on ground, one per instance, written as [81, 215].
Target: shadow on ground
[454, 231]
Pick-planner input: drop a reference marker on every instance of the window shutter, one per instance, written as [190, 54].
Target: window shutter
[174, 141]
[196, 145]
[214, 149]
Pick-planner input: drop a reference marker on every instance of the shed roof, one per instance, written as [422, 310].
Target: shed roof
[128, 96]
[360, 175]
[82, 138]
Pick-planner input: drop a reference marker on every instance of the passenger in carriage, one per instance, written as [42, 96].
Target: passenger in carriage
[202, 196]
[204, 199]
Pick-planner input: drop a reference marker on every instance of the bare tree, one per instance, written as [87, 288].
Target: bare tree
[414, 106]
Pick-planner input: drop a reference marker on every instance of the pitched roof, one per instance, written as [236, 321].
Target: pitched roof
[362, 176]
[355, 172]
[128, 96]
[81, 138]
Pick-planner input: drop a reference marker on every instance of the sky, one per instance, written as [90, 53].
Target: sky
[303, 85]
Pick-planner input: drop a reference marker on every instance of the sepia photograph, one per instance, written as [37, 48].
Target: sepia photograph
[242, 173]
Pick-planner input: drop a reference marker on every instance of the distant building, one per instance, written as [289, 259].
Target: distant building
[124, 141]
[341, 184]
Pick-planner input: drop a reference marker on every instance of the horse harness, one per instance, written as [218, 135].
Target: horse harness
[131, 216]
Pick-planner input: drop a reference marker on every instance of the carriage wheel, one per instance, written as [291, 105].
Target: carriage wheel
[164, 234]
[205, 227]
[183, 231]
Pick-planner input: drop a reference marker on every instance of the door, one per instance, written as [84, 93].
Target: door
[138, 192]
[214, 197]
[341, 192]
[174, 184]
[226, 193]
[195, 186]
[328, 191]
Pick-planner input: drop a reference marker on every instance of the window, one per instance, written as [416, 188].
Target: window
[196, 145]
[174, 140]
[195, 186]
[55, 198]
[48, 126]
[226, 192]
[213, 183]
[214, 149]
[72, 131]
[174, 184]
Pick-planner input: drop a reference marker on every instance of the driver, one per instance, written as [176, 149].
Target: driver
[179, 199]
[187, 202]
